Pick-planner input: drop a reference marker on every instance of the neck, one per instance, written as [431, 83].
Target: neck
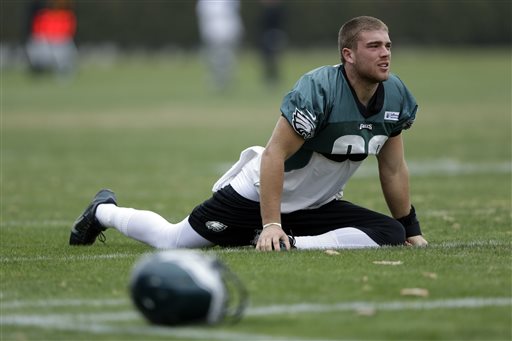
[363, 87]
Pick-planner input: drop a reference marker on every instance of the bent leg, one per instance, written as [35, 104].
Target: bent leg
[150, 228]
[343, 238]
[342, 224]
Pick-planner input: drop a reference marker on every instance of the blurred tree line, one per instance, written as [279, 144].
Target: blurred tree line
[166, 23]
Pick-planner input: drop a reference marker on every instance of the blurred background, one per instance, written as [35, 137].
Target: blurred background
[112, 27]
[166, 25]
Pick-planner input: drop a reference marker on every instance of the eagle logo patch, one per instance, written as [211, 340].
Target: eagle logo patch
[304, 123]
[215, 226]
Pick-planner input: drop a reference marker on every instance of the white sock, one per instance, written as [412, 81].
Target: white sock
[344, 238]
[149, 227]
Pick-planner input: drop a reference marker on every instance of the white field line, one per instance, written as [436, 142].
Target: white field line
[16, 304]
[95, 322]
[37, 223]
[97, 326]
[67, 258]
[442, 167]
[456, 303]
[438, 167]
[267, 310]
[442, 245]
[470, 244]
[307, 308]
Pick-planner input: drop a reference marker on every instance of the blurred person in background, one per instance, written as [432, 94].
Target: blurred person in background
[221, 31]
[50, 34]
[273, 38]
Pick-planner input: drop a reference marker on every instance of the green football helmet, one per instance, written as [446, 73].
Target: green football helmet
[177, 287]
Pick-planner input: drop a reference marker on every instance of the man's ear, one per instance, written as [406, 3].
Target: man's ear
[347, 55]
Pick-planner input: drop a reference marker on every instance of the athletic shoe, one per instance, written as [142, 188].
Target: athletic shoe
[87, 228]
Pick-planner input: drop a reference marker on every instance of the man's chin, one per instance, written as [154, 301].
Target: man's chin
[378, 78]
[383, 76]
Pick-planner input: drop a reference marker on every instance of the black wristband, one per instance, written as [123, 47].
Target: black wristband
[411, 224]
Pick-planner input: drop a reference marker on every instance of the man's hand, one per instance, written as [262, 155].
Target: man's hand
[270, 237]
[416, 241]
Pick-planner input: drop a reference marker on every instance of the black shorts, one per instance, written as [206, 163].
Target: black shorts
[228, 219]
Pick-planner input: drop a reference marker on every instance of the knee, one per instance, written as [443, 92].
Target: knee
[395, 233]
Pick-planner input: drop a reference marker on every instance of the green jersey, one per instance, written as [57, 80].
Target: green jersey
[323, 108]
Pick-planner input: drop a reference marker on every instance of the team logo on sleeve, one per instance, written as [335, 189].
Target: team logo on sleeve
[304, 123]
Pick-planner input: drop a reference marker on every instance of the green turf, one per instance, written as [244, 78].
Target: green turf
[153, 131]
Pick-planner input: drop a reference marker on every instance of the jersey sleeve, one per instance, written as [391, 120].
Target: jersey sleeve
[305, 106]
[409, 109]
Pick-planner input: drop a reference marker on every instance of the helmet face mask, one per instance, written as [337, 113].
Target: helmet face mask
[178, 287]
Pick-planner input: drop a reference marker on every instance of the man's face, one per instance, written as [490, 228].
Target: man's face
[372, 56]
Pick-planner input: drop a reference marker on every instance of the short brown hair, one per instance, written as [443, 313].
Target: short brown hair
[349, 32]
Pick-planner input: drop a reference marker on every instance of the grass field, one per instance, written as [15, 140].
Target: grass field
[150, 129]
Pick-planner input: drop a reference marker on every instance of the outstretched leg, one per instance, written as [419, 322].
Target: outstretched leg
[150, 228]
[145, 226]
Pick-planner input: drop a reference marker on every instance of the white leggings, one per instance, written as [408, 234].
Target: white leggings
[152, 229]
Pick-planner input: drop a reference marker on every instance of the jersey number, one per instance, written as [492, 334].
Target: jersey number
[355, 144]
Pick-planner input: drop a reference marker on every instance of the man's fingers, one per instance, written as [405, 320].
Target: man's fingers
[270, 244]
[417, 241]
[264, 244]
[276, 244]
[287, 244]
[271, 240]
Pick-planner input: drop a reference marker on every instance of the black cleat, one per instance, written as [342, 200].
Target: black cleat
[87, 228]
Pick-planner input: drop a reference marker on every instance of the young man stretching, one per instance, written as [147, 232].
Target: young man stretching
[332, 119]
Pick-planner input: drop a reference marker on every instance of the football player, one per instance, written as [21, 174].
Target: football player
[289, 194]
